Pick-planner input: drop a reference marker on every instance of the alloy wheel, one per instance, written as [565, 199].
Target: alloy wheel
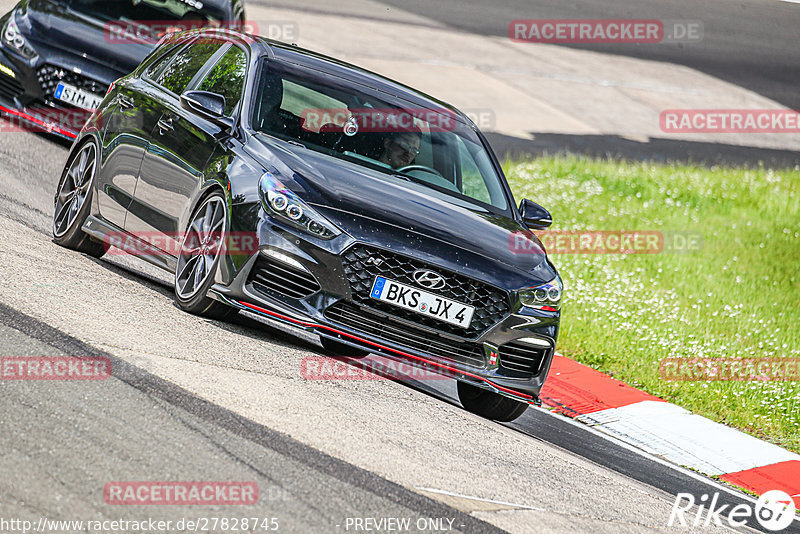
[74, 189]
[200, 248]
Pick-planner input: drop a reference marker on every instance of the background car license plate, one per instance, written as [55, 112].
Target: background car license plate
[76, 97]
[412, 298]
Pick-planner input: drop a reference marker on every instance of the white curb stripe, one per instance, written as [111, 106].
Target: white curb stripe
[690, 440]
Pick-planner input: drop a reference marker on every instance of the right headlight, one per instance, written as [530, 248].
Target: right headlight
[544, 297]
[14, 39]
[282, 203]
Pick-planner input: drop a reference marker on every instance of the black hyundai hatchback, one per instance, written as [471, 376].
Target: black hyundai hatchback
[58, 57]
[379, 218]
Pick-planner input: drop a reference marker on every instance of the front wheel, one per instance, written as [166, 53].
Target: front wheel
[73, 202]
[201, 249]
[489, 404]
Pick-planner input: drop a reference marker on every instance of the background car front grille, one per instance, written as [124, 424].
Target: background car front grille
[362, 264]
[378, 325]
[282, 278]
[10, 88]
[522, 357]
[50, 76]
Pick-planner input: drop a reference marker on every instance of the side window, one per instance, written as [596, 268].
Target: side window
[180, 72]
[227, 78]
[473, 184]
[159, 64]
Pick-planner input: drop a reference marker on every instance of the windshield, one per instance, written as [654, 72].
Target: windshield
[375, 130]
[148, 11]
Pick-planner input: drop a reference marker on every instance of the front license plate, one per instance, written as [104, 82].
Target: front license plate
[77, 97]
[422, 302]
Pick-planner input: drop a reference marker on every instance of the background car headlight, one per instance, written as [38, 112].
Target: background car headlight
[544, 297]
[13, 38]
[285, 205]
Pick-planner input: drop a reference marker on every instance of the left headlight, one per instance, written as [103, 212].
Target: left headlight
[544, 297]
[288, 207]
[14, 39]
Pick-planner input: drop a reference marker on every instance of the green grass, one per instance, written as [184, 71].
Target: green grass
[738, 296]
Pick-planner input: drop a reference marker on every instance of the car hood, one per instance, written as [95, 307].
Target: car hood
[377, 208]
[58, 27]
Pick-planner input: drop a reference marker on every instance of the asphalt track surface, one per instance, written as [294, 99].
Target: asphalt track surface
[749, 43]
[46, 425]
[145, 426]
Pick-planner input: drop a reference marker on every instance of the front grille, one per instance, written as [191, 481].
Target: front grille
[388, 329]
[272, 275]
[50, 76]
[10, 88]
[362, 264]
[522, 357]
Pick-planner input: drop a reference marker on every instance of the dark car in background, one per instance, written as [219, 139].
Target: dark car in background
[380, 218]
[59, 57]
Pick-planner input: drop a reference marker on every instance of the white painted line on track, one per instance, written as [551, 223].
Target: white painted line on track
[502, 503]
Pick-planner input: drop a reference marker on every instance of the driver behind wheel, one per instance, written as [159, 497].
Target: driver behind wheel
[401, 149]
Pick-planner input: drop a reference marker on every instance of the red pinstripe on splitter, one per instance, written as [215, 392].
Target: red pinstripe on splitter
[445, 368]
[784, 476]
[45, 126]
[575, 389]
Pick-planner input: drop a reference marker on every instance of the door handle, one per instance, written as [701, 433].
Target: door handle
[125, 102]
[165, 125]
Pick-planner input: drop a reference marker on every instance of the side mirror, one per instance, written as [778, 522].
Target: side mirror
[534, 215]
[210, 106]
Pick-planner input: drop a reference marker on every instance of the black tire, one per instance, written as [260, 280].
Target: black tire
[191, 295]
[337, 348]
[73, 202]
[489, 404]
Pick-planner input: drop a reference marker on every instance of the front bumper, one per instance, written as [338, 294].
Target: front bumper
[511, 356]
[27, 86]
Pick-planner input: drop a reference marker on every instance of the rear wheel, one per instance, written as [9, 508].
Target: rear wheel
[337, 348]
[73, 202]
[489, 404]
[200, 253]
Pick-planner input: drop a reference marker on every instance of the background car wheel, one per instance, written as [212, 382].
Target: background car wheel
[337, 348]
[199, 255]
[73, 202]
[488, 404]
